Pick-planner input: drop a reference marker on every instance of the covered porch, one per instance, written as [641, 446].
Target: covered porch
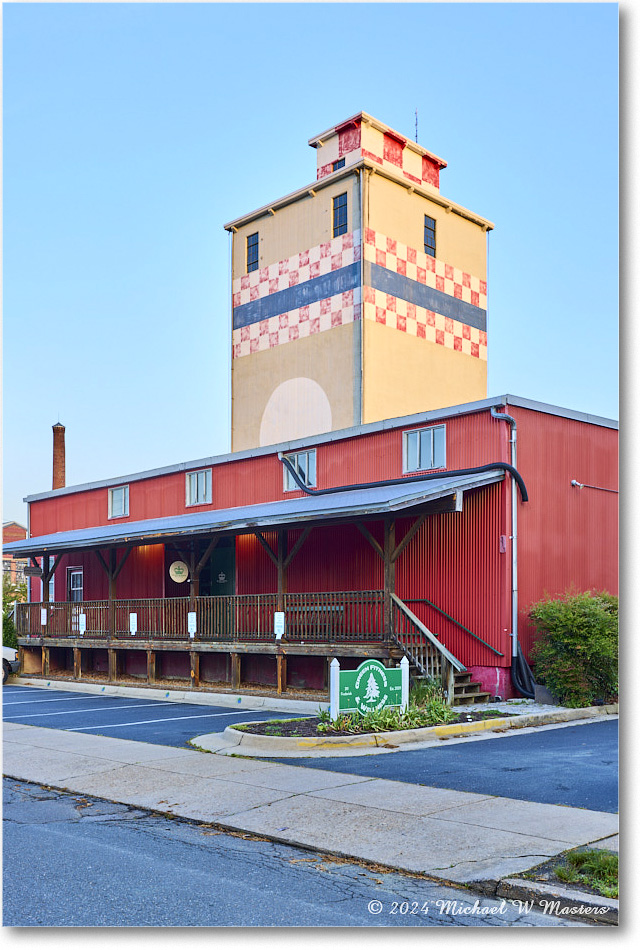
[228, 641]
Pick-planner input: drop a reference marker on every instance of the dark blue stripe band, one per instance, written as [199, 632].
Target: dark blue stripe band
[427, 297]
[318, 288]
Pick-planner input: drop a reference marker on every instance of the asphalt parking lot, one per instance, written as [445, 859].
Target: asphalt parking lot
[144, 720]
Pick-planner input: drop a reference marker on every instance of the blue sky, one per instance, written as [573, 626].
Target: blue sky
[133, 132]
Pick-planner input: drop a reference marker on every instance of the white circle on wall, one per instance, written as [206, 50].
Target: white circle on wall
[297, 408]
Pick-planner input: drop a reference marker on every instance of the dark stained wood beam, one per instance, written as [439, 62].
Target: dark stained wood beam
[369, 538]
[408, 537]
[298, 545]
[273, 557]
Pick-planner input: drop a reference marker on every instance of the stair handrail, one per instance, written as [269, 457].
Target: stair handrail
[424, 600]
[447, 655]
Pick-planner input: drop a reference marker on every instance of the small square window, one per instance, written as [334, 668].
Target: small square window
[339, 215]
[424, 449]
[338, 164]
[430, 236]
[119, 502]
[198, 487]
[305, 465]
[252, 252]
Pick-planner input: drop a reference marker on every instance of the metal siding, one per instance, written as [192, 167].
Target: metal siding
[568, 537]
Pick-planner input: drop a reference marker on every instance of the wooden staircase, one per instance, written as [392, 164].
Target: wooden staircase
[465, 691]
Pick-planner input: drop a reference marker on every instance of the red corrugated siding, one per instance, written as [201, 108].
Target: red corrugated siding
[567, 537]
[471, 440]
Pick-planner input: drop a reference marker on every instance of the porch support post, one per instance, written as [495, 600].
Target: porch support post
[45, 661]
[112, 570]
[113, 665]
[151, 666]
[281, 672]
[282, 579]
[48, 571]
[236, 670]
[77, 663]
[194, 668]
[388, 573]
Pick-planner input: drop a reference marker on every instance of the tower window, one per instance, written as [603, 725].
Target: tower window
[424, 449]
[430, 239]
[339, 215]
[252, 252]
[338, 164]
[305, 465]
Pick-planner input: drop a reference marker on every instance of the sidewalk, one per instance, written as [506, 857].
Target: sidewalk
[456, 837]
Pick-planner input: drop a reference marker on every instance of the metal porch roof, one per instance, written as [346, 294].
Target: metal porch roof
[291, 512]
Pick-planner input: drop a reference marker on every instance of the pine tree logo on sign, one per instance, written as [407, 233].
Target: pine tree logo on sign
[371, 686]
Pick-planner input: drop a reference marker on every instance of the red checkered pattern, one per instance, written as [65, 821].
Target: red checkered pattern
[303, 321]
[314, 262]
[426, 270]
[401, 315]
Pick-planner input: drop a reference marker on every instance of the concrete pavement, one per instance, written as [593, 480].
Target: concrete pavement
[457, 837]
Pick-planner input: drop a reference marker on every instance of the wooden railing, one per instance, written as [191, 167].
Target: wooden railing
[337, 616]
[422, 647]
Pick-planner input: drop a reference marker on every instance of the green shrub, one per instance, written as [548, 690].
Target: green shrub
[433, 713]
[576, 654]
[9, 638]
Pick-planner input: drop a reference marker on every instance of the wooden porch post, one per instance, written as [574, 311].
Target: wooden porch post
[194, 672]
[388, 572]
[151, 666]
[77, 663]
[236, 670]
[281, 670]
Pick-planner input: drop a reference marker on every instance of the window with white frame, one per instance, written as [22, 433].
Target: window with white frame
[119, 502]
[305, 465]
[198, 487]
[74, 584]
[424, 449]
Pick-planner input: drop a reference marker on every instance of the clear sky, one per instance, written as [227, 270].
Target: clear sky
[133, 132]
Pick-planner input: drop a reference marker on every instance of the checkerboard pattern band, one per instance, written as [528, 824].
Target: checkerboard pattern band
[298, 323]
[314, 262]
[416, 321]
[416, 265]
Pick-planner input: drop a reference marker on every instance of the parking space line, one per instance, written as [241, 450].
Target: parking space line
[70, 712]
[62, 699]
[144, 722]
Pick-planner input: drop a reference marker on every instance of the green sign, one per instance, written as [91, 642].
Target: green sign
[370, 686]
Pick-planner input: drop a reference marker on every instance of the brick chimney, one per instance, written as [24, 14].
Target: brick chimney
[58, 456]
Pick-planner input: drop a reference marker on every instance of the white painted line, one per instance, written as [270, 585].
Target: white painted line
[64, 699]
[144, 722]
[70, 712]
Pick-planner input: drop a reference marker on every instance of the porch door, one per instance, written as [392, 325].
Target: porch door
[222, 574]
[74, 595]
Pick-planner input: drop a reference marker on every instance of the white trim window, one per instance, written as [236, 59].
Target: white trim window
[424, 449]
[119, 502]
[198, 487]
[74, 584]
[305, 464]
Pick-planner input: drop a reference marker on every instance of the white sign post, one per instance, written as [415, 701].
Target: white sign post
[191, 623]
[82, 623]
[405, 683]
[43, 616]
[335, 669]
[133, 624]
[279, 624]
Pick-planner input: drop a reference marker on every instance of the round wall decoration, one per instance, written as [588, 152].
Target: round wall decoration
[179, 571]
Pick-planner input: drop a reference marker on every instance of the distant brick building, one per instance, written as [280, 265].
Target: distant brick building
[13, 567]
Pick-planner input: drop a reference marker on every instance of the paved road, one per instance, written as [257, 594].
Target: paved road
[570, 765]
[101, 864]
[144, 720]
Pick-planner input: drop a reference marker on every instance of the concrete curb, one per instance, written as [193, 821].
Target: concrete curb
[233, 700]
[553, 900]
[274, 744]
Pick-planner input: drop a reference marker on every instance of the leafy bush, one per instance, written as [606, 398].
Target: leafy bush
[9, 638]
[576, 655]
[435, 712]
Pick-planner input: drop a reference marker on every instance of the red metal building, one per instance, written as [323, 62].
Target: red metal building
[404, 542]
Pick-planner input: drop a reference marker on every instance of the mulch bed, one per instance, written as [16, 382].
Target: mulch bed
[305, 728]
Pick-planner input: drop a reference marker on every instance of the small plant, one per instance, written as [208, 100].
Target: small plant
[576, 655]
[9, 638]
[597, 869]
[434, 712]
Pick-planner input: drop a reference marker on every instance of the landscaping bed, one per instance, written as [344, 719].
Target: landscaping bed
[308, 727]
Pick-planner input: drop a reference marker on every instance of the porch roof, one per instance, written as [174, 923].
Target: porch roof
[291, 512]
